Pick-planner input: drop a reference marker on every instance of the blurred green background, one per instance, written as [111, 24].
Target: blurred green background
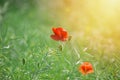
[28, 53]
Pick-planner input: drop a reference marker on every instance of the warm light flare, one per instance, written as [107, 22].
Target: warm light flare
[93, 13]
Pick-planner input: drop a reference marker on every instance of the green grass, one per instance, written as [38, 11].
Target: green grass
[28, 53]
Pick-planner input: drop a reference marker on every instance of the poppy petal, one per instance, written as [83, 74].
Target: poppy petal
[55, 37]
[54, 30]
[86, 68]
[57, 31]
[60, 29]
[90, 71]
[64, 34]
[59, 34]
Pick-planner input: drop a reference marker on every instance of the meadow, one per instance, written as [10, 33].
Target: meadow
[27, 52]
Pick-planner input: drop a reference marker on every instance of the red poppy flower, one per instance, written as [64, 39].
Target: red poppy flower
[59, 34]
[86, 68]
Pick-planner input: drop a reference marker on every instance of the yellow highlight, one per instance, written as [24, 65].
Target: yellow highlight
[99, 13]
[97, 21]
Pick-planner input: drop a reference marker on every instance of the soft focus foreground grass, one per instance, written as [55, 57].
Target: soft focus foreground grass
[28, 53]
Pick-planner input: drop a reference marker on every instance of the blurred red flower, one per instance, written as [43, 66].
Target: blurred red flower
[59, 34]
[86, 68]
